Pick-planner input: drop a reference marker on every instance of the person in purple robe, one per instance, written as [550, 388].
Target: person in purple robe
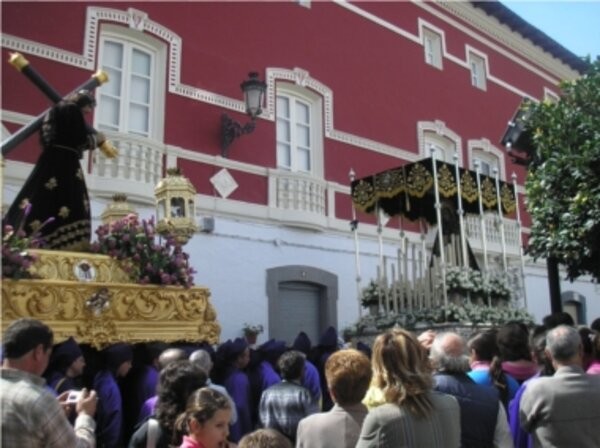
[232, 358]
[141, 382]
[165, 358]
[109, 415]
[310, 377]
[271, 351]
[66, 367]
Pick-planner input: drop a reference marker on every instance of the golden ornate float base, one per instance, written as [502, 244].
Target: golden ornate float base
[104, 311]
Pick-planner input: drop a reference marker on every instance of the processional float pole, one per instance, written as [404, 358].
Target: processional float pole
[21, 64]
[501, 215]
[354, 228]
[521, 254]
[461, 213]
[482, 224]
[438, 211]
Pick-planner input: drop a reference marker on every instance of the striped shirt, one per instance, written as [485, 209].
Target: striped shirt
[32, 417]
[283, 405]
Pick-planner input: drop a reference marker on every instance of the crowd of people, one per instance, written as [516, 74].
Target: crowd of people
[511, 386]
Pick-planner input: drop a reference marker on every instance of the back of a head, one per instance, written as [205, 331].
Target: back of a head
[513, 342]
[563, 343]
[538, 349]
[202, 359]
[448, 353]
[291, 365]
[265, 438]
[348, 374]
[595, 325]
[23, 335]
[179, 379]
[170, 355]
[555, 319]
[586, 335]
[176, 382]
[484, 345]
[401, 369]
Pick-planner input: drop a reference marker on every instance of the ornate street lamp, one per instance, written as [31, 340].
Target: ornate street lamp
[254, 91]
[175, 206]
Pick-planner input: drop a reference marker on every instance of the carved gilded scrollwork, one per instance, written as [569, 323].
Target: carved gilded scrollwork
[132, 313]
[55, 265]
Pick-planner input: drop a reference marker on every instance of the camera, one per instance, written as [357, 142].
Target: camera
[73, 396]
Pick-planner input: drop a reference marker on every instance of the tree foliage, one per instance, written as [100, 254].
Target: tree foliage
[563, 183]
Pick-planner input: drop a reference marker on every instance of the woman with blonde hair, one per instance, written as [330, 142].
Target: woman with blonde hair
[405, 410]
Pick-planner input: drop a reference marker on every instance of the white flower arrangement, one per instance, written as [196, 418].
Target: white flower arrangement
[466, 280]
[252, 329]
[497, 287]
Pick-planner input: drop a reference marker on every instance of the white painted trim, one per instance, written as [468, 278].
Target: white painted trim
[491, 27]
[486, 146]
[423, 24]
[439, 129]
[302, 78]
[469, 50]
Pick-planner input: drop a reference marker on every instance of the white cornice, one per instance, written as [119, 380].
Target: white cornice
[503, 34]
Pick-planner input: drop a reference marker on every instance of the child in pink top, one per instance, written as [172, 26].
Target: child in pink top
[206, 420]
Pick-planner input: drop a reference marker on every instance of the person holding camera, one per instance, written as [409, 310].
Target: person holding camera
[31, 415]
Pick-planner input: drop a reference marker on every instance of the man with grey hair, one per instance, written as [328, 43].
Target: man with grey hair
[564, 409]
[483, 419]
[203, 360]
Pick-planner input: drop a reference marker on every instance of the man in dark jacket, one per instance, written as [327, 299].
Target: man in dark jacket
[483, 420]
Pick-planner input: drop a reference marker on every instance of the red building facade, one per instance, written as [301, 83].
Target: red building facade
[359, 87]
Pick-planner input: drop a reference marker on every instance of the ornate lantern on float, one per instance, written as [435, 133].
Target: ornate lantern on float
[175, 206]
[119, 208]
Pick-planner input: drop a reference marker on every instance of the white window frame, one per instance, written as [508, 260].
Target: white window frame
[443, 139]
[484, 151]
[477, 63]
[432, 47]
[444, 147]
[315, 104]
[158, 51]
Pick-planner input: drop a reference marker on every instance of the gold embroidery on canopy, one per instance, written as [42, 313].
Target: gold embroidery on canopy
[446, 182]
[468, 187]
[508, 199]
[24, 203]
[79, 174]
[363, 195]
[389, 183]
[418, 181]
[488, 193]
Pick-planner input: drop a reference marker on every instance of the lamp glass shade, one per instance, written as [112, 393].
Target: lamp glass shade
[254, 90]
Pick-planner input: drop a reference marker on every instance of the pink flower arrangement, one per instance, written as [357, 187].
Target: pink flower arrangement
[133, 243]
[16, 258]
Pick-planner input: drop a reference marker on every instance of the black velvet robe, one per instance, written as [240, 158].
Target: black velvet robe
[56, 186]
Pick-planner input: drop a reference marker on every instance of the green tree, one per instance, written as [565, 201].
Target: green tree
[563, 182]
